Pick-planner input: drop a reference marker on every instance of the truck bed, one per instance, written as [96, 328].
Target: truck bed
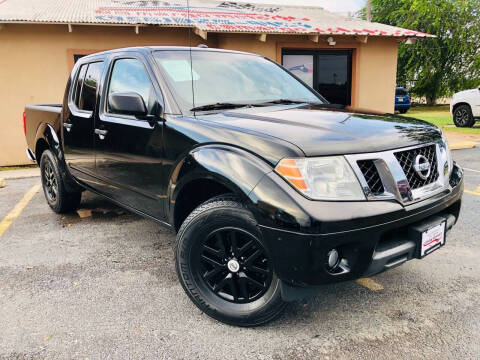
[36, 115]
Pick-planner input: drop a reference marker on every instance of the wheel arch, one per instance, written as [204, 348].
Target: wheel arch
[460, 103]
[210, 171]
[48, 139]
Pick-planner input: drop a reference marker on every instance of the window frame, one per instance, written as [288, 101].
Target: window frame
[75, 83]
[71, 101]
[124, 118]
[315, 53]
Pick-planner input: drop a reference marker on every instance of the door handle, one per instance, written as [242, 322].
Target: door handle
[101, 133]
[67, 126]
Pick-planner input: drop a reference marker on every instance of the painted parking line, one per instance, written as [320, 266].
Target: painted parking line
[17, 210]
[477, 171]
[370, 284]
[473, 192]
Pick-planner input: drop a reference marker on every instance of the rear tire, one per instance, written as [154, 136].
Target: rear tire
[224, 266]
[403, 111]
[462, 116]
[58, 198]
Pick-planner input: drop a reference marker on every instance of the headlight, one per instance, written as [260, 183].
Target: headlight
[445, 156]
[323, 178]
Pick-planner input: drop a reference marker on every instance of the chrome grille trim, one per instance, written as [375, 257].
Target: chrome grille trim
[371, 175]
[394, 179]
[406, 159]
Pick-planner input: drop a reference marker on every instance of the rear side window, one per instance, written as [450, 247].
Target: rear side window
[88, 91]
[78, 84]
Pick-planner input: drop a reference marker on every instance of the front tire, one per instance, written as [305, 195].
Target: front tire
[224, 266]
[58, 198]
[462, 116]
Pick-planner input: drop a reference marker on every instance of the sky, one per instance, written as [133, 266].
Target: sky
[343, 6]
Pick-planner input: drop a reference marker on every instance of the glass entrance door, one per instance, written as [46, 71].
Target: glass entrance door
[327, 71]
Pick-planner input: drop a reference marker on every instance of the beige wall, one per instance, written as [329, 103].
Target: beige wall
[35, 61]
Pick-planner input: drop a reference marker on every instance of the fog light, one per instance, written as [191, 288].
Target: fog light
[333, 259]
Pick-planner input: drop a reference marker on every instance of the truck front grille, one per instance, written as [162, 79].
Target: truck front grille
[392, 174]
[407, 161]
[372, 177]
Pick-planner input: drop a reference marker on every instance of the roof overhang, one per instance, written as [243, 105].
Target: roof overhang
[203, 15]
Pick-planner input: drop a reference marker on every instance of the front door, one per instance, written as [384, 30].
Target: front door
[129, 150]
[327, 71]
[78, 128]
[476, 102]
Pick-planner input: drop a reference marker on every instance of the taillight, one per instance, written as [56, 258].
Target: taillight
[24, 125]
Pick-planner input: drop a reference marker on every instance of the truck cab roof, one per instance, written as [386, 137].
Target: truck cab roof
[150, 49]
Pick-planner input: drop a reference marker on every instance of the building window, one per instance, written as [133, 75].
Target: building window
[328, 71]
[77, 57]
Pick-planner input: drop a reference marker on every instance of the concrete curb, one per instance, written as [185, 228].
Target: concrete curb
[19, 174]
[460, 145]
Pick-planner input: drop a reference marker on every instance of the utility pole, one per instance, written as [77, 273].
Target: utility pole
[369, 10]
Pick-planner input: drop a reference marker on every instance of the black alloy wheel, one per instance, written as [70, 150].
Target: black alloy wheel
[57, 195]
[235, 265]
[224, 265]
[50, 183]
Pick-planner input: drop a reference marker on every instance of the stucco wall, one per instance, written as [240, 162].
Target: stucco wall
[35, 61]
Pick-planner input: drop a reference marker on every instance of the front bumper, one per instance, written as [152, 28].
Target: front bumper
[371, 236]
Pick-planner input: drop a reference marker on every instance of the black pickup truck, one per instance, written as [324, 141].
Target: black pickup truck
[272, 191]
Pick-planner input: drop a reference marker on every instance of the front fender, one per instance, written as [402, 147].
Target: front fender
[234, 168]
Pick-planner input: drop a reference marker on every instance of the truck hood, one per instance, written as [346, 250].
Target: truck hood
[320, 132]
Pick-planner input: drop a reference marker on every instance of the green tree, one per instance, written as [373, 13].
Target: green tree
[438, 66]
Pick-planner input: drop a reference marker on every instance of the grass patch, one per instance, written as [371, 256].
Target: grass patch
[440, 115]
[22, 167]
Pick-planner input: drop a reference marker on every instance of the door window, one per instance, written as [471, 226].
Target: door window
[129, 75]
[89, 88]
[78, 84]
[327, 71]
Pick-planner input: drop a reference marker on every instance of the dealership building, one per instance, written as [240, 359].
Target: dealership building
[349, 61]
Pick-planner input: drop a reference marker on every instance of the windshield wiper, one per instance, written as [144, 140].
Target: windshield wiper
[229, 105]
[290, 101]
[329, 106]
[219, 106]
[324, 105]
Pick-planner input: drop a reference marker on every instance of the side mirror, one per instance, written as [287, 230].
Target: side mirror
[128, 103]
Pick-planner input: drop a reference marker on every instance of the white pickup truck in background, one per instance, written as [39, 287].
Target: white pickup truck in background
[465, 107]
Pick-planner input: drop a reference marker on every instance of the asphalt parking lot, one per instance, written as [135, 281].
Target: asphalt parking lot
[104, 286]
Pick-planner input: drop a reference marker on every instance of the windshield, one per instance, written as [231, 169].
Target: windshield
[223, 77]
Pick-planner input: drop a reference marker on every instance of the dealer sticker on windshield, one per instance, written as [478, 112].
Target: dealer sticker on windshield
[432, 239]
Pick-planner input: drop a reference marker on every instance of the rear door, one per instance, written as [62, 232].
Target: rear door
[78, 128]
[129, 150]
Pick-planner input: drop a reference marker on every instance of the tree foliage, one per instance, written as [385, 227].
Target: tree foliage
[440, 66]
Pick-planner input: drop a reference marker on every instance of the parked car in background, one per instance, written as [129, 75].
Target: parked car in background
[465, 107]
[272, 190]
[402, 100]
